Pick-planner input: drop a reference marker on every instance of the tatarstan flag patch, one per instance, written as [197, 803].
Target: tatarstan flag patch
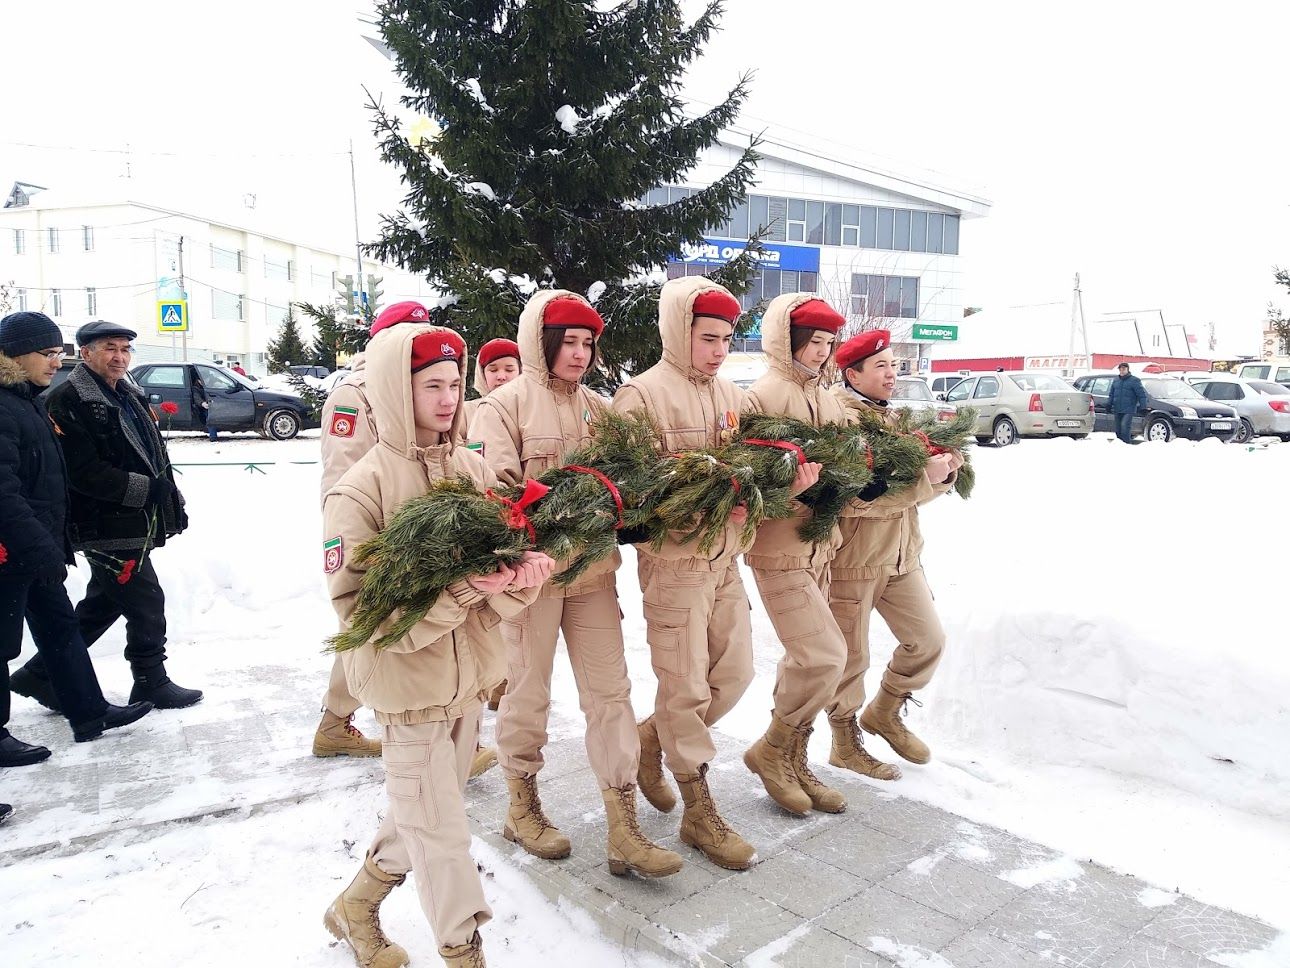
[333, 555]
[343, 421]
[476, 445]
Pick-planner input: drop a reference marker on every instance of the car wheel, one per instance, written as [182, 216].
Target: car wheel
[1005, 432]
[281, 425]
[1244, 432]
[1079, 436]
[1160, 429]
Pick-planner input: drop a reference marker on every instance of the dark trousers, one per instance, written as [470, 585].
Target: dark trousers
[140, 600]
[48, 613]
[1124, 426]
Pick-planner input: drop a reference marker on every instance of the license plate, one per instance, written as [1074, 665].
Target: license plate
[1220, 425]
[1068, 423]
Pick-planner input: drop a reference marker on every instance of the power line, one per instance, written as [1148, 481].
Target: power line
[177, 154]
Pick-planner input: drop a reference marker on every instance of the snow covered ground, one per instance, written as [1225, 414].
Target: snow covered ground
[1115, 687]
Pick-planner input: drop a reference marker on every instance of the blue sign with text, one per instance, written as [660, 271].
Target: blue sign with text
[774, 255]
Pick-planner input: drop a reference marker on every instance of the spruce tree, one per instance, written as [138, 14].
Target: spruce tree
[334, 334]
[556, 117]
[288, 347]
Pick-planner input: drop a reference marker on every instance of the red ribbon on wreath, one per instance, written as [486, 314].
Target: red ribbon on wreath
[609, 485]
[931, 448]
[781, 444]
[514, 516]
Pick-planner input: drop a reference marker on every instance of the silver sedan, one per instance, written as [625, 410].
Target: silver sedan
[1263, 406]
[1010, 406]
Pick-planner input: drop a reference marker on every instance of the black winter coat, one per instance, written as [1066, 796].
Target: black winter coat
[33, 483]
[110, 468]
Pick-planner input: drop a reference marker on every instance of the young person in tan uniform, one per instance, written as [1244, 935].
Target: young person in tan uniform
[527, 427]
[792, 575]
[877, 567]
[349, 432]
[427, 688]
[696, 611]
[496, 364]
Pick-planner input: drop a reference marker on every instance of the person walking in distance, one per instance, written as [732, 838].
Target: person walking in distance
[123, 503]
[696, 611]
[792, 575]
[526, 427]
[426, 689]
[878, 567]
[1126, 397]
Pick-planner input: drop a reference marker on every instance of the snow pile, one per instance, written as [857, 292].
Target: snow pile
[471, 86]
[595, 291]
[569, 118]
[480, 188]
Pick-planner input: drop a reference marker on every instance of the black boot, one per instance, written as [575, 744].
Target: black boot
[154, 686]
[14, 752]
[26, 683]
[114, 716]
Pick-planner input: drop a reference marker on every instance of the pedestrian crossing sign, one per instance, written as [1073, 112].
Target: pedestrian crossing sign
[172, 315]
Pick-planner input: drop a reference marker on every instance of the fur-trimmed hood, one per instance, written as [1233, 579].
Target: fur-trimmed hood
[11, 372]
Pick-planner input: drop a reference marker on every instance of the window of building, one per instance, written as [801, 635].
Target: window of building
[868, 227]
[777, 227]
[230, 260]
[278, 268]
[884, 296]
[20, 300]
[901, 230]
[91, 302]
[55, 302]
[274, 314]
[918, 231]
[53, 240]
[226, 305]
[87, 237]
[851, 226]
[19, 242]
[796, 229]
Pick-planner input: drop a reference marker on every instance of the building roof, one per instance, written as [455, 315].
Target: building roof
[840, 161]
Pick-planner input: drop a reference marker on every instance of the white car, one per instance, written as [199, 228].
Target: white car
[913, 393]
[1263, 406]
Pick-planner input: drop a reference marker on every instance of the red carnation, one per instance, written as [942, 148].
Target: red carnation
[127, 570]
[169, 408]
[4, 554]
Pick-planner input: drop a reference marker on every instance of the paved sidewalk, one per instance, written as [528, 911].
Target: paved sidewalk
[892, 882]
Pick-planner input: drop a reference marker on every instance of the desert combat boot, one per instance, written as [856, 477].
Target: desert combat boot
[823, 798]
[771, 758]
[468, 955]
[704, 829]
[354, 918]
[340, 737]
[629, 849]
[649, 773]
[883, 717]
[848, 752]
[528, 826]
[485, 759]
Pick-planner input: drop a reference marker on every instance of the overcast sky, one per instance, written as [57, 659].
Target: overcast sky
[1138, 144]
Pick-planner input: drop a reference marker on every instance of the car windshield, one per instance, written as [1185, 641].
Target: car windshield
[1167, 388]
[1270, 389]
[1039, 381]
[912, 390]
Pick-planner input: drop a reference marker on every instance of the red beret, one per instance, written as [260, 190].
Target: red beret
[816, 314]
[862, 346]
[431, 348]
[496, 349]
[719, 303]
[566, 312]
[404, 312]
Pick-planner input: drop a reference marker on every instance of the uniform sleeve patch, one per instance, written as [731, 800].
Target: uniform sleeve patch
[343, 421]
[333, 555]
[476, 445]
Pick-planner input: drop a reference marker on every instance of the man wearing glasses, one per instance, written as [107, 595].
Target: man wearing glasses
[123, 504]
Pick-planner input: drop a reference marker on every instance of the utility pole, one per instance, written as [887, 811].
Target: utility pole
[1070, 356]
[358, 245]
[183, 294]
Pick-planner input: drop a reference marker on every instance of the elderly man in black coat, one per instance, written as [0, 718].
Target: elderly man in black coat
[124, 503]
[34, 547]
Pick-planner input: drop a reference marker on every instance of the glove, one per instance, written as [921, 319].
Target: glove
[160, 490]
[873, 491]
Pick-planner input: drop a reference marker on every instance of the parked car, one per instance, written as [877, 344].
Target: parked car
[1014, 405]
[1262, 406]
[317, 372]
[1275, 371]
[236, 404]
[944, 383]
[913, 393]
[1174, 409]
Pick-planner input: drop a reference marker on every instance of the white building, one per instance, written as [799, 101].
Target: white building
[881, 247]
[108, 256]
